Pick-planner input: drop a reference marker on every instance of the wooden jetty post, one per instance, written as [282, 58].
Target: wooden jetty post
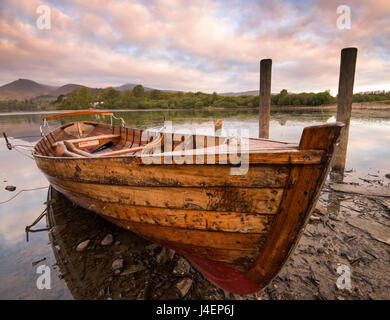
[344, 104]
[265, 98]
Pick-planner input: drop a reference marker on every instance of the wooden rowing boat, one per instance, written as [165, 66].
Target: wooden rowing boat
[237, 229]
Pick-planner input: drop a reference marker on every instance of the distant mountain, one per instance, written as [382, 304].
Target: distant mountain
[245, 93]
[65, 89]
[129, 86]
[27, 89]
[24, 89]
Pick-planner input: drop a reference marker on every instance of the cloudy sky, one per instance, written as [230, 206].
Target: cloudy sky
[194, 45]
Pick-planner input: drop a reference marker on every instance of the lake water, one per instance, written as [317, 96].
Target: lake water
[368, 156]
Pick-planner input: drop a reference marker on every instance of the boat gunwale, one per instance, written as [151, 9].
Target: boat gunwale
[288, 153]
[288, 146]
[290, 157]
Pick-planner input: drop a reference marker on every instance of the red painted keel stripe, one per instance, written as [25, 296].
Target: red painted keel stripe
[223, 276]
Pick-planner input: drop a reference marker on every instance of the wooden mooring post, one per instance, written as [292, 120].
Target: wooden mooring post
[265, 98]
[344, 104]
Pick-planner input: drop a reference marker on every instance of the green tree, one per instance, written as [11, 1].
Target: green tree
[127, 99]
[158, 95]
[214, 97]
[199, 104]
[110, 97]
[80, 98]
[138, 91]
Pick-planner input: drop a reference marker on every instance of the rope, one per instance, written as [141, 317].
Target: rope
[23, 190]
[27, 137]
[22, 146]
[16, 146]
[28, 228]
[16, 149]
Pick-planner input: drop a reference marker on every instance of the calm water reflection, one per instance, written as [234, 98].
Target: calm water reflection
[368, 154]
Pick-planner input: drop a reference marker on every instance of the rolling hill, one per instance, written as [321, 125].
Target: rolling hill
[129, 86]
[24, 89]
[244, 93]
[65, 89]
[27, 89]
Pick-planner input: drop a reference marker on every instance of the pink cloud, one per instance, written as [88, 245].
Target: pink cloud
[197, 45]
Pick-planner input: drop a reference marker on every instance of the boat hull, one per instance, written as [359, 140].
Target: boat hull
[238, 230]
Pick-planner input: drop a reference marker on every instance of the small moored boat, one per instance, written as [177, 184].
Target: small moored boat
[182, 191]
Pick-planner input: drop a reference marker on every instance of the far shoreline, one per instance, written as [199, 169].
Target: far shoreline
[355, 106]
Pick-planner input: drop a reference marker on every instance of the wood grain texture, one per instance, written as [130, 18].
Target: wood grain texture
[236, 249]
[126, 171]
[238, 259]
[182, 218]
[287, 223]
[300, 196]
[245, 200]
[240, 254]
[207, 156]
[204, 238]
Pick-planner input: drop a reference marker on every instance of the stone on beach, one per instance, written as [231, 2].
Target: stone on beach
[182, 267]
[117, 264]
[83, 245]
[184, 286]
[10, 188]
[108, 240]
[132, 269]
[165, 255]
[152, 246]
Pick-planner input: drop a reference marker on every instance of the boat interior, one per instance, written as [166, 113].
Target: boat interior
[82, 139]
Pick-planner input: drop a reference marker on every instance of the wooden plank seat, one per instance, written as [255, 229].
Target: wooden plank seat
[61, 150]
[68, 148]
[102, 139]
[149, 146]
[73, 147]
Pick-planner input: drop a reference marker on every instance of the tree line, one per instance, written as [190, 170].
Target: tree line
[139, 98]
[372, 96]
